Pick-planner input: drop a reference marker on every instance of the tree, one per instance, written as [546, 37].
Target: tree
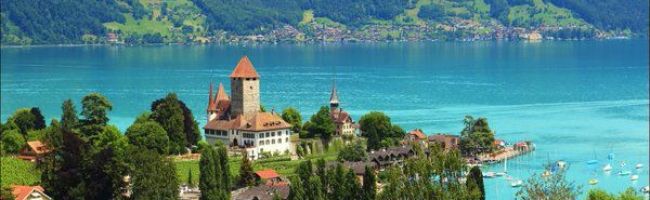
[379, 130]
[103, 175]
[628, 194]
[296, 190]
[552, 187]
[39, 120]
[95, 108]
[476, 137]
[69, 119]
[24, 120]
[62, 172]
[208, 181]
[304, 171]
[222, 158]
[153, 176]
[352, 186]
[111, 137]
[321, 171]
[246, 173]
[369, 184]
[149, 135]
[352, 152]
[292, 116]
[475, 177]
[315, 188]
[12, 141]
[169, 114]
[322, 124]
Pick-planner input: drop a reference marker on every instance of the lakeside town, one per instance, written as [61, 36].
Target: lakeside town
[248, 151]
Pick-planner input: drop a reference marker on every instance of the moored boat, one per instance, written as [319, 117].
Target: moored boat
[624, 173]
[593, 181]
[607, 167]
[634, 177]
[516, 183]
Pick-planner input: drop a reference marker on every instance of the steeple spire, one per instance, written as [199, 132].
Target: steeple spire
[334, 98]
[221, 94]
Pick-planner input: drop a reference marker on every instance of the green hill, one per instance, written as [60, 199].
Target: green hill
[156, 21]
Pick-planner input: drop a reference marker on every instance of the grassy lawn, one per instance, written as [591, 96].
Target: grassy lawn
[140, 26]
[18, 172]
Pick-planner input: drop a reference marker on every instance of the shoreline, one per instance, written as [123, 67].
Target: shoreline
[241, 43]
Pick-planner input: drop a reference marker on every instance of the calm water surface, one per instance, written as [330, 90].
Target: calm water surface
[577, 100]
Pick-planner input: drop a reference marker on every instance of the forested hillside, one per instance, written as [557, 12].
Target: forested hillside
[155, 21]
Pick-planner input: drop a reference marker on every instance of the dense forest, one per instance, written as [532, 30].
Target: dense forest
[85, 21]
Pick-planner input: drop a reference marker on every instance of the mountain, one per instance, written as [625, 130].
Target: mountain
[156, 21]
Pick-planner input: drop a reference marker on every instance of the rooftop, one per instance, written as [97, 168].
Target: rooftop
[244, 69]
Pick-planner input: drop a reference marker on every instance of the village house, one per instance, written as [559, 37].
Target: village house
[344, 123]
[23, 192]
[446, 141]
[33, 151]
[238, 121]
[416, 136]
[268, 177]
[262, 192]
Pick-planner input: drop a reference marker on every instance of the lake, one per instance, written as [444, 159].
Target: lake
[577, 100]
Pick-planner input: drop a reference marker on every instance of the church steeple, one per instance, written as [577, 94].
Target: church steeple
[334, 98]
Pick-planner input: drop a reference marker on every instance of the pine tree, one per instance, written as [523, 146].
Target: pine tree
[207, 181]
[304, 171]
[476, 177]
[369, 184]
[352, 186]
[321, 172]
[315, 190]
[246, 174]
[296, 190]
[69, 119]
[222, 153]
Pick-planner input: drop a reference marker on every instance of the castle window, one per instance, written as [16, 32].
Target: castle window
[267, 134]
[286, 140]
[272, 134]
[251, 87]
[273, 141]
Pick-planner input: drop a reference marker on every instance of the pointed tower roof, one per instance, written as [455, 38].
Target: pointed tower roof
[221, 94]
[334, 98]
[244, 69]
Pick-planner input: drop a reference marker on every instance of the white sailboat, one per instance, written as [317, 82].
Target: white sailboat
[634, 177]
[639, 166]
[516, 183]
[607, 168]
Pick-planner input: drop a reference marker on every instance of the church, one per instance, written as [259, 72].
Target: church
[344, 125]
[238, 121]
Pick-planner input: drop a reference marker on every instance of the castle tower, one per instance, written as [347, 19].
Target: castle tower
[334, 98]
[244, 89]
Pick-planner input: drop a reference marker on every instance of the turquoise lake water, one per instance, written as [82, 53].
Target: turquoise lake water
[577, 100]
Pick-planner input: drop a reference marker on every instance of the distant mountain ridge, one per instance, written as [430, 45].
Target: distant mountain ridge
[158, 21]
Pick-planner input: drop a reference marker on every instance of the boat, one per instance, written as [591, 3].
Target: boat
[639, 166]
[592, 162]
[593, 181]
[500, 174]
[634, 177]
[489, 175]
[645, 189]
[624, 173]
[546, 173]
[516, 183]
[561, 164]
[607, 168]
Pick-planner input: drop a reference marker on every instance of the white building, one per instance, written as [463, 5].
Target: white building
[240, 122]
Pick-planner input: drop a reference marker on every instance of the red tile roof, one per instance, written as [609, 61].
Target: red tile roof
[418, 133]
[340, 116]
[267, 174]
[38, 147]
[221, 94]
[244, 69]
[21, 192]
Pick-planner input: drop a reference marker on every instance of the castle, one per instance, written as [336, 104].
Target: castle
[238, 121]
